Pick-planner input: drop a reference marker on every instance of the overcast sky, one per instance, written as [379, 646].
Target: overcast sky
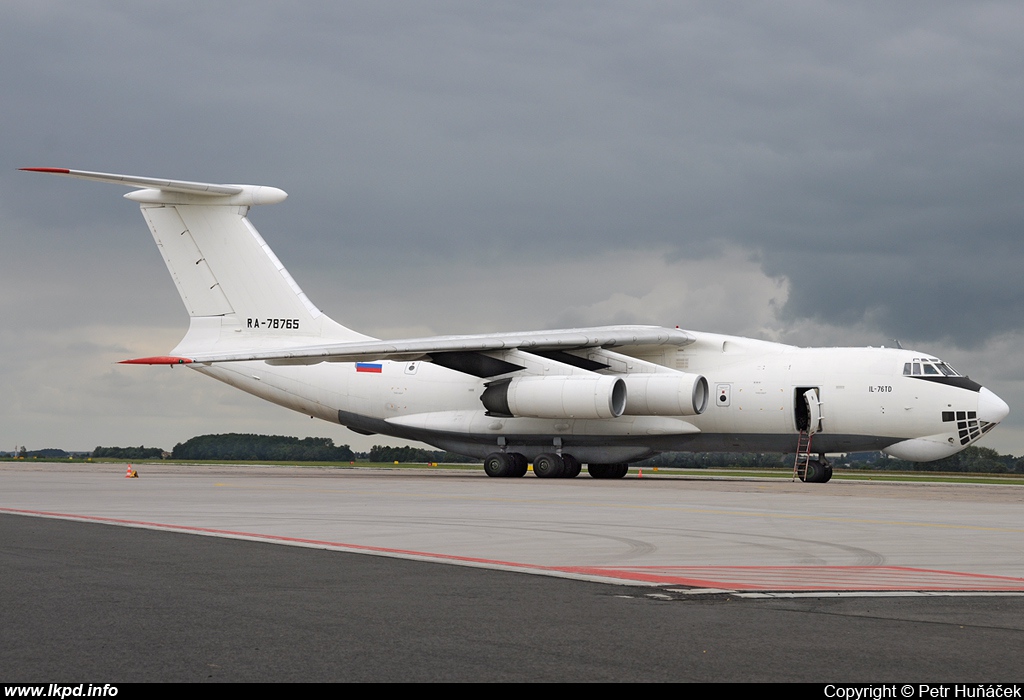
[809, 172]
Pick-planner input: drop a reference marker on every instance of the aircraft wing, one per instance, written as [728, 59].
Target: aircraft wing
[420, 348]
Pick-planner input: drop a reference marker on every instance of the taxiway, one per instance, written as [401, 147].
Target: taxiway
[480, 579]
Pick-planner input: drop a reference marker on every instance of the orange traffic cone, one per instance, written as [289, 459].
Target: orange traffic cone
[131, 473]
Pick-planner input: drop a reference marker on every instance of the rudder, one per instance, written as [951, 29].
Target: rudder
[236, 291]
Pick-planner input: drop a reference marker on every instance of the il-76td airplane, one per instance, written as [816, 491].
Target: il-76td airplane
[603, 397]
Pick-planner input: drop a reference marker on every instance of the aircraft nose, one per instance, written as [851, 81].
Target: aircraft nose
[991, 408]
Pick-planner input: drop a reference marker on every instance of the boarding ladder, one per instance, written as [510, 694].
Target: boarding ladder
[803, 455]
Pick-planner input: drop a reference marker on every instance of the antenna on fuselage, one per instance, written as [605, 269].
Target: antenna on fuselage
[898, 344]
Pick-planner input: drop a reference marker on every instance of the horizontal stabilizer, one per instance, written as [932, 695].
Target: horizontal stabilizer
[162, 191]
[237, 293]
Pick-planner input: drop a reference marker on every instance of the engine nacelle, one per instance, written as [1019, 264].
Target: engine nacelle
[666, 394]
[568, 396]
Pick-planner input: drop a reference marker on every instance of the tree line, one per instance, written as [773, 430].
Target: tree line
[247, 447]
[262, 448]
[139, 452]
[269, 448]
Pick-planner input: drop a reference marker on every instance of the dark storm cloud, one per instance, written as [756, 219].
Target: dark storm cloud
[871, 152]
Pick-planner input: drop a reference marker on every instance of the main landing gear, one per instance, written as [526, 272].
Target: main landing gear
[548, 466]
[607, 471]
[502, 464]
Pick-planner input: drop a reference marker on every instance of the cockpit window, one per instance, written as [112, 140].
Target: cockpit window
[928, 367]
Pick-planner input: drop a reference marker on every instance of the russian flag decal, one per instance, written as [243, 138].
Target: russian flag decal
[372, 367]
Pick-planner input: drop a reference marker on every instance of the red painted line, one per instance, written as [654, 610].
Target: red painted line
[738, 578]
[159, 360]
[816, 578]
[274, 538]
[61, 171]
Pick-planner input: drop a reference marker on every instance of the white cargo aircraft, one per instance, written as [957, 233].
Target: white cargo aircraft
[603, 397]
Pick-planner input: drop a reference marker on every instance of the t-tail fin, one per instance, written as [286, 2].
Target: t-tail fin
[237, 293]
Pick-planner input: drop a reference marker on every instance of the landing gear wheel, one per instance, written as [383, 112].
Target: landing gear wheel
[607, 471]
[548, 466]
[572, 467]
[817, 472]
[520, 465]
[499, 464]
[812, 472]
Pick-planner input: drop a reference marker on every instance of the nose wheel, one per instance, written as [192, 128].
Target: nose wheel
[817, 472]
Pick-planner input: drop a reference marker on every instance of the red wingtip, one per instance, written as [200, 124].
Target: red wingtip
[161, 360]
[59, 171]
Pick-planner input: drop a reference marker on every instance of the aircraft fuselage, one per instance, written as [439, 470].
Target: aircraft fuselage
[756, 402]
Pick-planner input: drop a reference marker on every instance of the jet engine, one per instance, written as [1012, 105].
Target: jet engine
[666, 394]
[569, 396]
